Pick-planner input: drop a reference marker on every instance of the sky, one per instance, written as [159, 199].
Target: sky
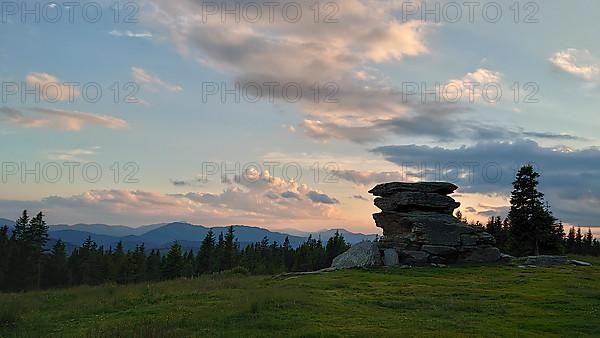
[284, 114]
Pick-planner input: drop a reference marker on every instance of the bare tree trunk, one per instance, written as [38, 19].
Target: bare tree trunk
[537, 248]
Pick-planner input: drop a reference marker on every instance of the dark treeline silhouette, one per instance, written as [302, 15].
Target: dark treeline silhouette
[26, 265]
[574, 243]
[530, 228]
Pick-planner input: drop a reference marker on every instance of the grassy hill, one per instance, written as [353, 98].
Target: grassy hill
[428, 301]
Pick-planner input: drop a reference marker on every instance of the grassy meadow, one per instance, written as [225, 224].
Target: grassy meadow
[427, 301]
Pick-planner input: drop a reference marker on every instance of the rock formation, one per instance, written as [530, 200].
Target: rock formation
[360, 255]
[419, 227]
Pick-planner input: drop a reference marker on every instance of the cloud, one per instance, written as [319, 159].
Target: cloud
[261, 195]
[51, 88]
[142, 76]
[290, 194]
[305, 53]
[490, 211]
[361, 197]
[553, 136]
[318, 197]
[580, 63]
[268, 201]
[180, 183]
[130, 34]
[367, 177]
[570, 177]
[470, 87]
[59, 119]
[72, 154]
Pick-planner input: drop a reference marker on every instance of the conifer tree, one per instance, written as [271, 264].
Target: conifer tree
[206, 255]
[288, 254]
[188, 264]
[588, 242]
[56, 273]
[229, 250]
[21, 226]
[336, 245]
[533, 228]
[570, 242]
[6, 248]
[153, 266]
[37, 234]
[579, 241]
[173, 267]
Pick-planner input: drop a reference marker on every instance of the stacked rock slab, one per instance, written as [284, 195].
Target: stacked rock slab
[418, 225]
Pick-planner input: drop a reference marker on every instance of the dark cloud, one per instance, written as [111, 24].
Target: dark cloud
[318, 197]
[179, 183]
[553, 136]
[361, 197]
[570, 177]
[290, 194]
[368, 178]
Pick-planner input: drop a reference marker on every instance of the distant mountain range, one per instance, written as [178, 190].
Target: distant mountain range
[161, 236]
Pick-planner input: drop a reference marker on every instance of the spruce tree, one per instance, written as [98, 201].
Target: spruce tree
[56, 273]
[570, 242]
[533, 228]
[206, 255]
[288, 254]
[153, 266]
[37, 234]
[21, 226]
[229, 250]
[6, 248]
[579, 241]
[173, 267]
[188, 264]
[118, 266]
[336, 245]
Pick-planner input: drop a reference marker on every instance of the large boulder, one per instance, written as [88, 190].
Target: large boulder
[360, 255]
[412, 200]
[388, 189]
[413, 257]
[545, 260]
[417, 223]
[429, 228]
[480, 255]
[439, 250]
[390, 257]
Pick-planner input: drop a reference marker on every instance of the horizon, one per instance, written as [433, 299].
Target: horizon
[287, 231]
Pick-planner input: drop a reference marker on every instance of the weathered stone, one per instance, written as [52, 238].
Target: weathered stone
[506, 258]
[435, 265]
[469, 239]
[388, 189]
[361, 254]
[390, 257]
[437, 260]
[423, 227]
[411, 200]
[417, 223]
[580, 263]
[439, 250]
[480, 255]
[415, 257]
[545, 260]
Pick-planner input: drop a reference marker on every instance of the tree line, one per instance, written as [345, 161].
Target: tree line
[530, 228]
[26, 265]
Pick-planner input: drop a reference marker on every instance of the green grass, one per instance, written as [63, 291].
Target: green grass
[455, 301]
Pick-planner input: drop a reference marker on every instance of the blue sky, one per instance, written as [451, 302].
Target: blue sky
[371, 54]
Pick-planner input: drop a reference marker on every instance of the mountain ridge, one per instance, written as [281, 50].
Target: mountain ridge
[162, 235]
